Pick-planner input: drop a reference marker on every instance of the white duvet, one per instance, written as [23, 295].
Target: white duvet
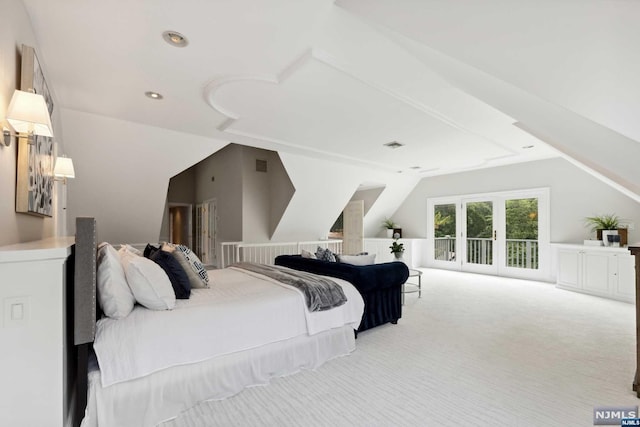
[239, 312]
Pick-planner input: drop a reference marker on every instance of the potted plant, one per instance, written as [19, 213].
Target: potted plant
[605, 225]
[389, 225]
[397, 249]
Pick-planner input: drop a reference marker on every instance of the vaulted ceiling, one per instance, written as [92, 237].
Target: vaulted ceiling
[461, 84]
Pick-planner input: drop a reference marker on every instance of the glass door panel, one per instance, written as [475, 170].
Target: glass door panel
[479, 232]
[503, 233]
[521, 234]
[444, 232]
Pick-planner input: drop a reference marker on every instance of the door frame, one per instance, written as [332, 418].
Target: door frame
[544, 244]
[208, 224]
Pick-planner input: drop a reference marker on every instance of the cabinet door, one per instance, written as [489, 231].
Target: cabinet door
[569, 268]
[597, 273]
[625, 288]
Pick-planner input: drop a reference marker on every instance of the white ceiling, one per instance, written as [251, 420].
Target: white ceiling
[340, 80]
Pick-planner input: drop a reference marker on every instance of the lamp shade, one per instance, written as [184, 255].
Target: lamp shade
[28, 113]
[64, 168]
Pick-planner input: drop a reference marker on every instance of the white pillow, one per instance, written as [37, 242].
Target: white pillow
[114, 294]
[131, 249]
[357, 259]
[307, 254]
[148, 282]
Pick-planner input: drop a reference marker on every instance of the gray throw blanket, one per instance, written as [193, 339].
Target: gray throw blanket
[319, 292]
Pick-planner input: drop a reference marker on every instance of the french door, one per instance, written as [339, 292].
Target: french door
[503, 234]
[479, 251]
[206, 232]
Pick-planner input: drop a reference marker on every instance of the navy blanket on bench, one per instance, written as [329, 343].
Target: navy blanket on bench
[379, 284]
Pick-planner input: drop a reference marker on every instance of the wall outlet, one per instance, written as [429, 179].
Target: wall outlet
[16, 311]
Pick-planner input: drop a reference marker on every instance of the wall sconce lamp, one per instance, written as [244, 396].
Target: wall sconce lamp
[63, 169]
[28, 115]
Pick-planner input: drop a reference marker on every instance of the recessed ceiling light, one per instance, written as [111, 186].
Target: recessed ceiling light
[526, 147]
[153, 95]
[393, 144]
[174, 38]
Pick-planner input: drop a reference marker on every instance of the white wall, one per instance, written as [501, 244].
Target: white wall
[574, 196]
[123, 171]
[323, 189]
[16, 30]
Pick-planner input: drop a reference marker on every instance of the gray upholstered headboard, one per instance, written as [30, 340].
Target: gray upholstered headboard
[85, 281]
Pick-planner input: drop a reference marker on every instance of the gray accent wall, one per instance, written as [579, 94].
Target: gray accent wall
[256, 205]
[250, 204]
[281, 190]
[574, 195]
[220, 177]
[182, 187]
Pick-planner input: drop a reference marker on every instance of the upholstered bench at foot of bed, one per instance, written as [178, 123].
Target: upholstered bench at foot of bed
[379, 284]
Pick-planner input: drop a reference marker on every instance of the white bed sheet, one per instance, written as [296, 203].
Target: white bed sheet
[238, 313]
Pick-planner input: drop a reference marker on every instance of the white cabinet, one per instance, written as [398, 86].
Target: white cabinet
[606, 272]
[625, 285]
[34, 361]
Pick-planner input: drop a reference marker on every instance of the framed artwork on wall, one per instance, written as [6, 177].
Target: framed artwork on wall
[34, 180]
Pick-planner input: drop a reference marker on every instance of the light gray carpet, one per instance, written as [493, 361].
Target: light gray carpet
[474, 350]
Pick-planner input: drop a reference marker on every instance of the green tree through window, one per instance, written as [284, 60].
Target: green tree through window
[522, 219]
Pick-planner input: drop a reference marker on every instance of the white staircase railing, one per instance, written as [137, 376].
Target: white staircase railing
[266, 253]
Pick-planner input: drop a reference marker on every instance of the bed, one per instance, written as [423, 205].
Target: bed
[243, 331]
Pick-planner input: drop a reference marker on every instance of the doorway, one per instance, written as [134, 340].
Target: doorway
[180, 224]
[504, 234]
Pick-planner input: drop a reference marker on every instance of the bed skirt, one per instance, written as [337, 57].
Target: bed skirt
[161, 396]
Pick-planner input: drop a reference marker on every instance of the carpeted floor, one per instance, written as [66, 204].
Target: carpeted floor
[474, 350]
